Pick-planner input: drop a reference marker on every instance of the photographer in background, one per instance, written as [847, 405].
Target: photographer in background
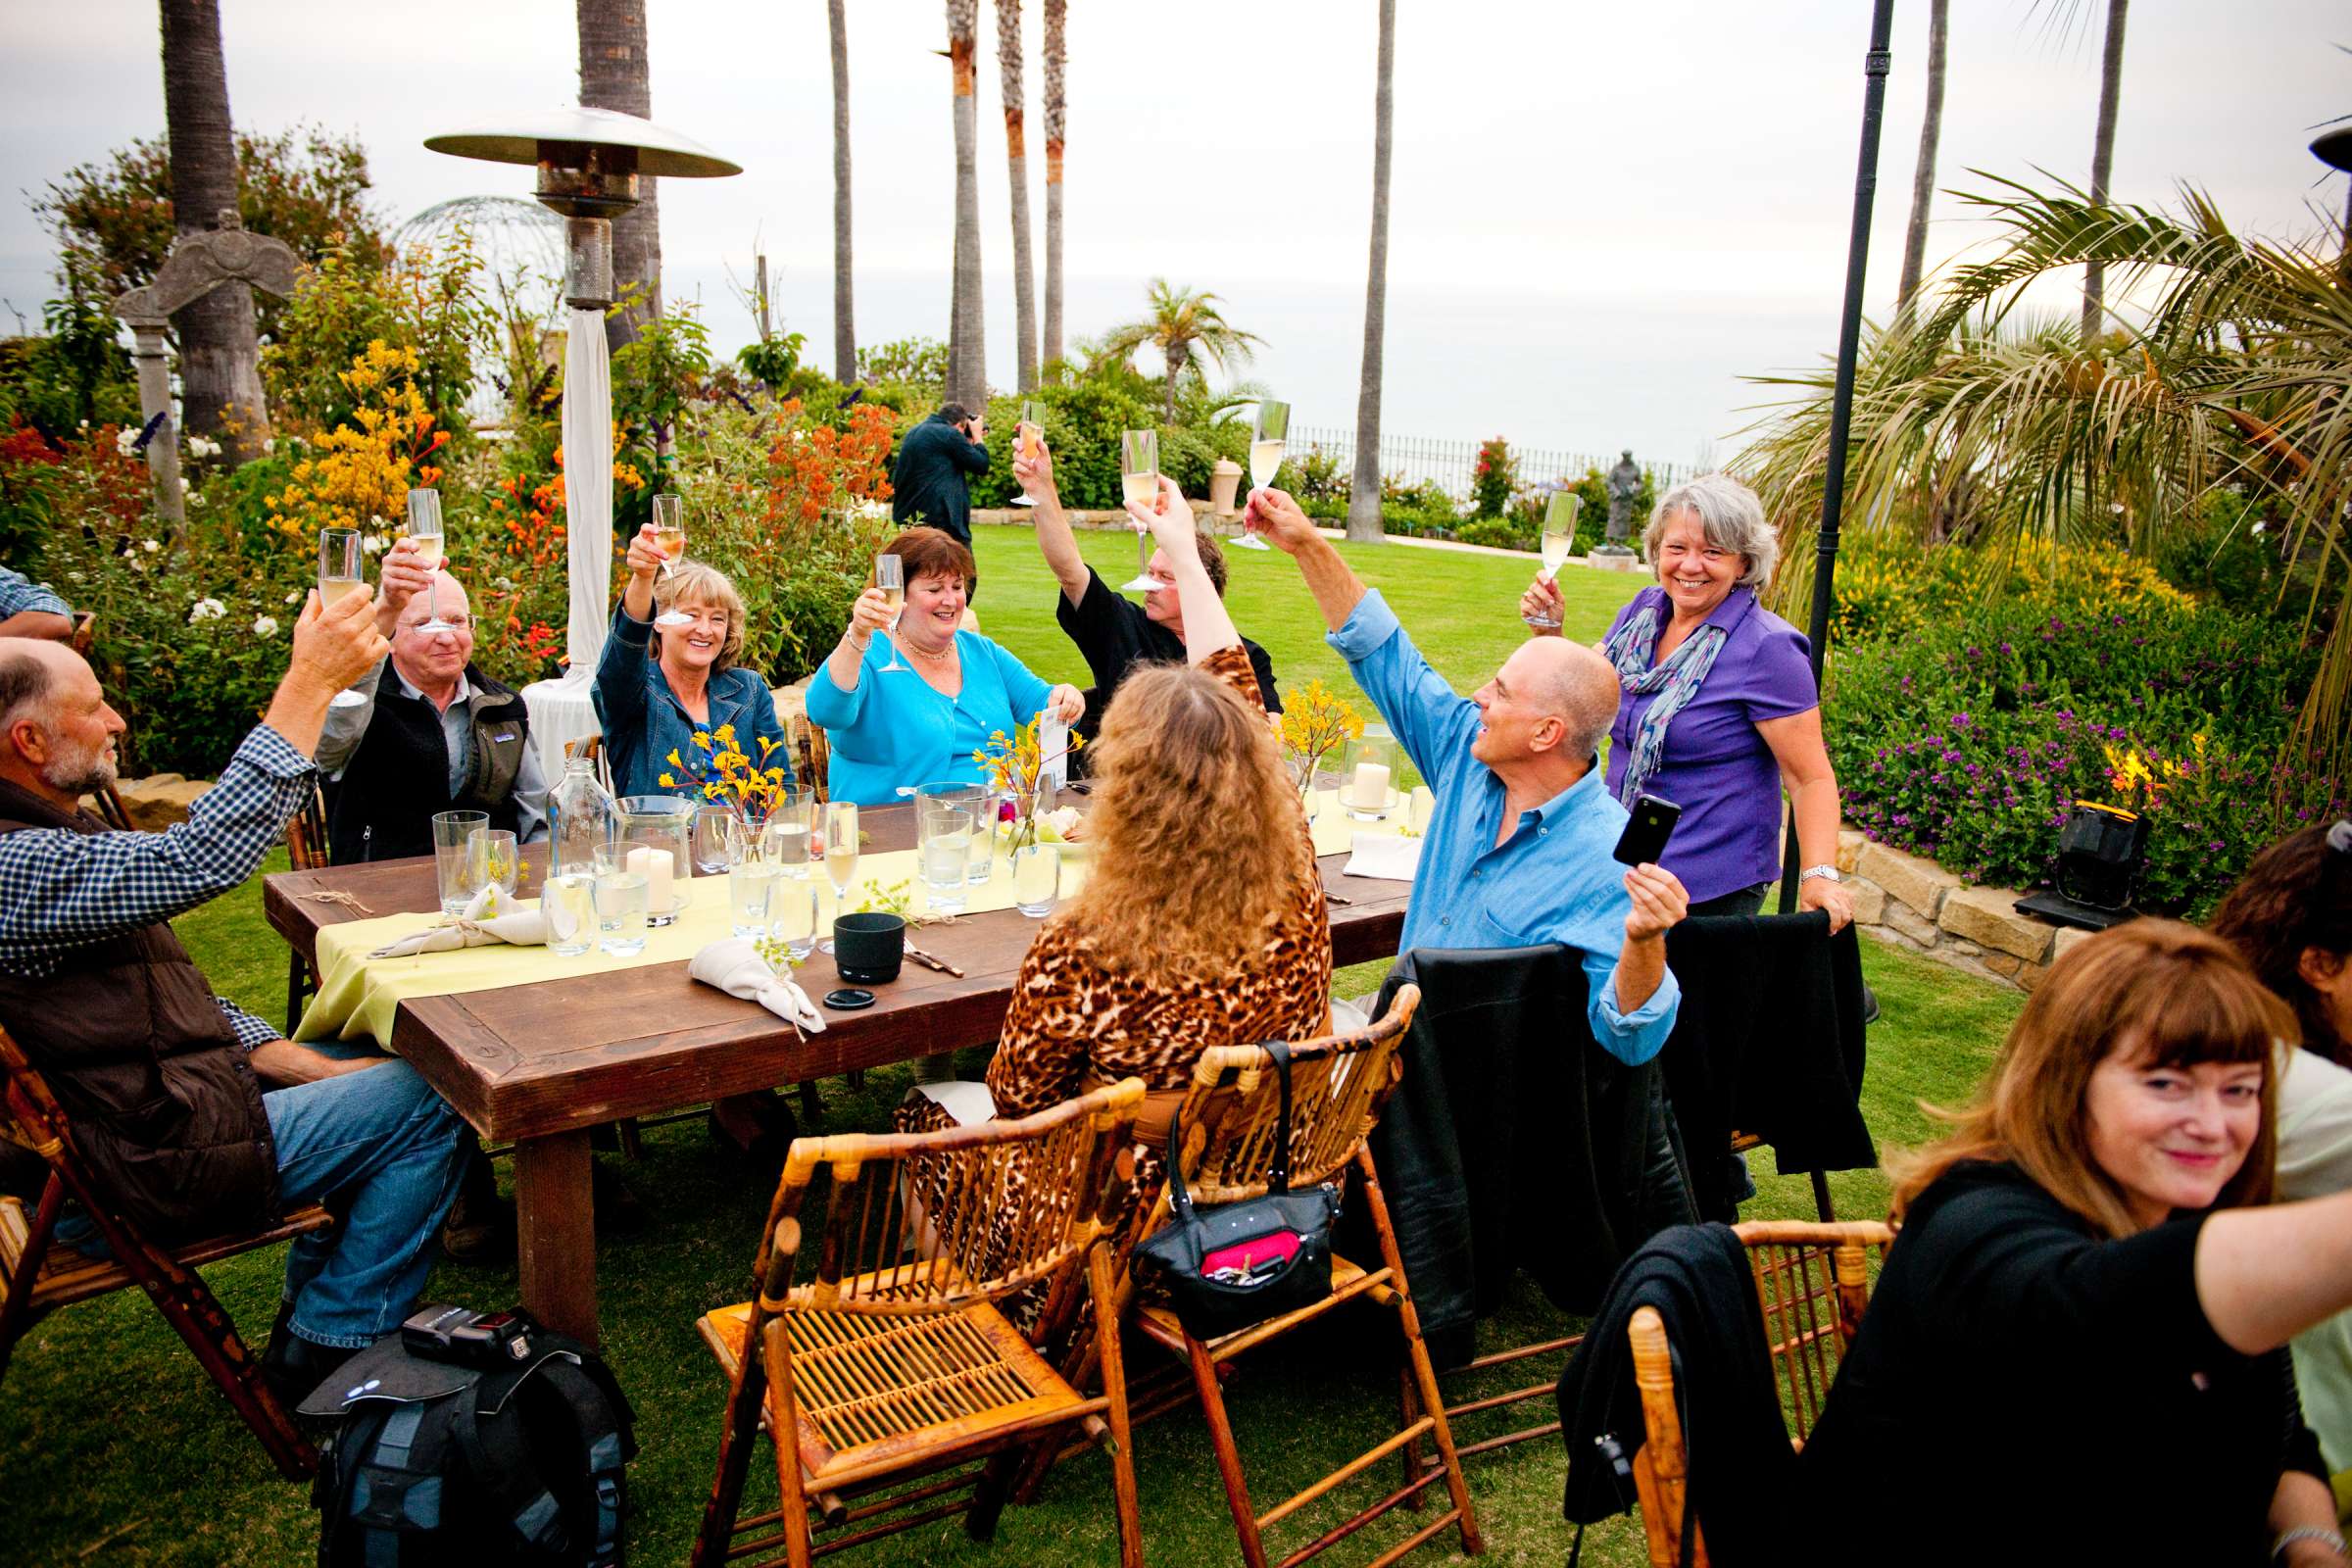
[932, 482]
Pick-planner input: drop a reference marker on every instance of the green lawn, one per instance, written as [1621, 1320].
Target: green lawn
[113, 1448]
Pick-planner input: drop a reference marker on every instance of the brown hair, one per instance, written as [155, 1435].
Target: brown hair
[1196, 837]
[2165, 991]
[934, 553]
[1212, 560]
[2296, 895]
[696, 582]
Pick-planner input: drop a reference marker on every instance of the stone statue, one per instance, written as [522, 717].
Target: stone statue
[1624, 482]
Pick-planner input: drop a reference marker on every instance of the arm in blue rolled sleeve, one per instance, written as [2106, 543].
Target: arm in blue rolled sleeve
[1433, 721]
[1635, 1037]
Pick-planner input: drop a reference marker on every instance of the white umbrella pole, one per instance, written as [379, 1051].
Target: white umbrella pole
[587, 489]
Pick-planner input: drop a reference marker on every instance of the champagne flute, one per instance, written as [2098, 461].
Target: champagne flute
[342, 572]
[1139, 485]
[669, 537]
[1028, 432]
[1266, 444]
[840, 854]
[1559, 534]
[890, 575]
[425, 538]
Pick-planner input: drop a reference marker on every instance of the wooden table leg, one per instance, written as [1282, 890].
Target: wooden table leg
[554, 1215]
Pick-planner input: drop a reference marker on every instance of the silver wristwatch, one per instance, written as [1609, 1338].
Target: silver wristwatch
[1812, 871]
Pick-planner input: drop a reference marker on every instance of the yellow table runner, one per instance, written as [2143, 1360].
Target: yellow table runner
[359, 995]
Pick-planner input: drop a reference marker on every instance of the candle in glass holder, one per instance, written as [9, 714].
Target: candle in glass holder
[1368, 789]
[655, 866]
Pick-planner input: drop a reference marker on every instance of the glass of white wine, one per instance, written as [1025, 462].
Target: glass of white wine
[1267, 442]
[669, 537]
[1139, 486]
[1559, 536]
[890, 575]
[840, 854]
[342, 572]
[426, 539]
[1027, 436]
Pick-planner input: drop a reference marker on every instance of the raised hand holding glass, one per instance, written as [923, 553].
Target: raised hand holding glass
[1139, 486]
[670, 536]
[890, 575]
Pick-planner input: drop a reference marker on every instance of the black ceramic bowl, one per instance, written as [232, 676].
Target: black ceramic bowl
[868, 949]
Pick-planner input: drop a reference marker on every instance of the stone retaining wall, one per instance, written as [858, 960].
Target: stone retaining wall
[1908, 902]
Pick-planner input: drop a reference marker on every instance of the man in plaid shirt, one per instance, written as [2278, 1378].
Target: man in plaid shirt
[193, 1114]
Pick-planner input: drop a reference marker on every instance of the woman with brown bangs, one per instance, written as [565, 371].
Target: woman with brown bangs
[2075, 1351]
[1202, 921]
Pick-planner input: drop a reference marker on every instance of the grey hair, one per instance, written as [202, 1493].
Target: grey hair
[25, 684]
[1731, 516]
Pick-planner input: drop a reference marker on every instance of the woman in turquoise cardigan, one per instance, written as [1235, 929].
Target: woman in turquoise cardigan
[890, 730]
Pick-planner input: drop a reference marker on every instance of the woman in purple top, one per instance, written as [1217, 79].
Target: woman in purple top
[1719, 709]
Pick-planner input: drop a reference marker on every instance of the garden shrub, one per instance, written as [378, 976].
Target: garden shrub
[1492, 477]
[1888, 584]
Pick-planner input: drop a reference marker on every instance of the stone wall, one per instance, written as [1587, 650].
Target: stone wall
[1907, 902]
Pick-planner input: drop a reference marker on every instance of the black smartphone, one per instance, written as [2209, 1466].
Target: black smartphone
[1646, 830]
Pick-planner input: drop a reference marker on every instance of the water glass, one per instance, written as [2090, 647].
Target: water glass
[494, 861]
[1036, 879]
[569, 904]
[942, 838]
[453, 833]
[791, 915]
[986, 807]
[716, 840]
[748, 884]
[620, 902]
[787, 838]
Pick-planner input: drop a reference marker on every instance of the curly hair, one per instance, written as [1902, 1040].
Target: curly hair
[1198, 837]
[695, 582]
[2296, 895]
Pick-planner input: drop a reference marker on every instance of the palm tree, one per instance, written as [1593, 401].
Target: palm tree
[1922, 179]
[614, 74]
[845, 318]
[2102, 162]
[1016, 163]
[219, 347]
[967, 367]
[1056, 66]
[1185, 326]
[1363, 491]
[2237, 378]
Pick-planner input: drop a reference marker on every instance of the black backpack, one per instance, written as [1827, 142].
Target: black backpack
[520, 1461]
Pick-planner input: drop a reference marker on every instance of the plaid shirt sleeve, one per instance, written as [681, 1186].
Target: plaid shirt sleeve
[61, 890]
[20, 593]
[250, 1030]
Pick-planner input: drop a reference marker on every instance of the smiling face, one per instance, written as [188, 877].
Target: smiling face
[698, 645]
[1695, 575]
[1518, 710]
[934, 609]
[432, 661]
[82, 728]
[2170, 1138]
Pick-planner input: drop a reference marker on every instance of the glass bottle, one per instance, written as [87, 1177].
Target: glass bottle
[581, 819]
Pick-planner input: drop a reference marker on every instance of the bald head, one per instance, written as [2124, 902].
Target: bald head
[30, 671]
[57, 733]
[1571, 681]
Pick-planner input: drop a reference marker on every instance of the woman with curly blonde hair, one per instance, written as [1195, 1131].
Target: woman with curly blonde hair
[1203, 920]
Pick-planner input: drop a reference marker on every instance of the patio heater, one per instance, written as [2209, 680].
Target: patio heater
[589, 161]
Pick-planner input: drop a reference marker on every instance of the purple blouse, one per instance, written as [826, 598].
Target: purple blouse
[1716, 767]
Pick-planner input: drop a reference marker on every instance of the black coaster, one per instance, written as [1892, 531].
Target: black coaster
[848, 1000]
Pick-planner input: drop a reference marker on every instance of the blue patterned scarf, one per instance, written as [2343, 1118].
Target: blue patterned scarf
[1674, 682]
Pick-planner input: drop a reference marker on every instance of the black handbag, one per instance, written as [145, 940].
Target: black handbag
[1230, 1265]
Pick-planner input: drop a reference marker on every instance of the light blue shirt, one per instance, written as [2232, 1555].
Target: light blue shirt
[896, 729]
[1552, 880]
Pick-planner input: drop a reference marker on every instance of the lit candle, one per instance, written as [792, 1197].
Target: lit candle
[1368, 789]
[655, 866]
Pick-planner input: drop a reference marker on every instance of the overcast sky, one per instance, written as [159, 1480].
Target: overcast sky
[1602, 215]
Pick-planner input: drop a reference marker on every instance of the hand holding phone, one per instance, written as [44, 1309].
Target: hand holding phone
[1646, 829]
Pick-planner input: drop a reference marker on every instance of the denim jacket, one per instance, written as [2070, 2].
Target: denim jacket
[644, 721]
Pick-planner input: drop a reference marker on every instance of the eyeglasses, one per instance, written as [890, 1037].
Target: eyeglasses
[453, 624]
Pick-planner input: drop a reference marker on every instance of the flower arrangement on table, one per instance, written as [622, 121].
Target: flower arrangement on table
[727, 776]
[1314, 723]
[1016, 769]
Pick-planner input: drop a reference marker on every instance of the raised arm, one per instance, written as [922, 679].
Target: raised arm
[1054, 537]
[1208, 628]
[1335, 588]
[2264, 1275]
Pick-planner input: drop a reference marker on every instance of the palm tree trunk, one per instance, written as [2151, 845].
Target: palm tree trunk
[614, 74]
[970, 384]
[845, 317]
[220, 349]
[1016, 163]
[1056, 42]
[1922, 179]
[1363, 491]
[1176, 355]
[2102, 162]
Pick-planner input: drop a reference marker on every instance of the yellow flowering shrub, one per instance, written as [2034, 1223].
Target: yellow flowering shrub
[358, 474]
[1890, 585]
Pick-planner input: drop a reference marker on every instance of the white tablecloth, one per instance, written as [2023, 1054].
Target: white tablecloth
[561, 713]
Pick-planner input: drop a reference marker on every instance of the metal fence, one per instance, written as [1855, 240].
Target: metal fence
[1451, 465]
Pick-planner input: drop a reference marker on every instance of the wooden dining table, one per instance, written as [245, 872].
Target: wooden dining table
[539, 1066]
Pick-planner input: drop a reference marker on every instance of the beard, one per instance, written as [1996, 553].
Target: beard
[80, 772]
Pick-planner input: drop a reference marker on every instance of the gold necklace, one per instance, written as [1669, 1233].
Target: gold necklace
[939, 657]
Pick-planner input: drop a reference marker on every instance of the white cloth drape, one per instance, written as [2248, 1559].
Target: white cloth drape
[561, 710]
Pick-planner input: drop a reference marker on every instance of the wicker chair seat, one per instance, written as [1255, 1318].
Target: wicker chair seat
[68, 1276]
[867, 1381]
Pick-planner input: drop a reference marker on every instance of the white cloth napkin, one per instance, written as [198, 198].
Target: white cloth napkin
[1385, 856]
[480, 926]
[734, 966]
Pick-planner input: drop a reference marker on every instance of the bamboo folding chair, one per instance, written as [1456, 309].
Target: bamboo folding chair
[1812, 1282]
[306, 851]
[35, 1278]
[894, 1363]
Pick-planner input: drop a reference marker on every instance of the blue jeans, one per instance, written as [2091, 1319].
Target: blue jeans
[382, 1146]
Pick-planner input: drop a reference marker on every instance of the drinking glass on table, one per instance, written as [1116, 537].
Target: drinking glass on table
[792, 917]
[494, 861]
[342, 572]
[944, 823]
[669, 537]
[453, 856]
[1037, 879]
[1559, 536]
[1026, 436]
[841, 853]
[717, 833]
[620, 902]
[569, 902]
[426, 541]
[890, 575]
[1268, 440]
[1139, 486]
[787, 837]
[750, 882]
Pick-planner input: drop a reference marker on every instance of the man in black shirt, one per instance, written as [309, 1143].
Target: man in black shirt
[931, 482]
[1112, 631]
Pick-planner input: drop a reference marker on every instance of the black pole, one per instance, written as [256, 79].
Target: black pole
[1842, 405]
